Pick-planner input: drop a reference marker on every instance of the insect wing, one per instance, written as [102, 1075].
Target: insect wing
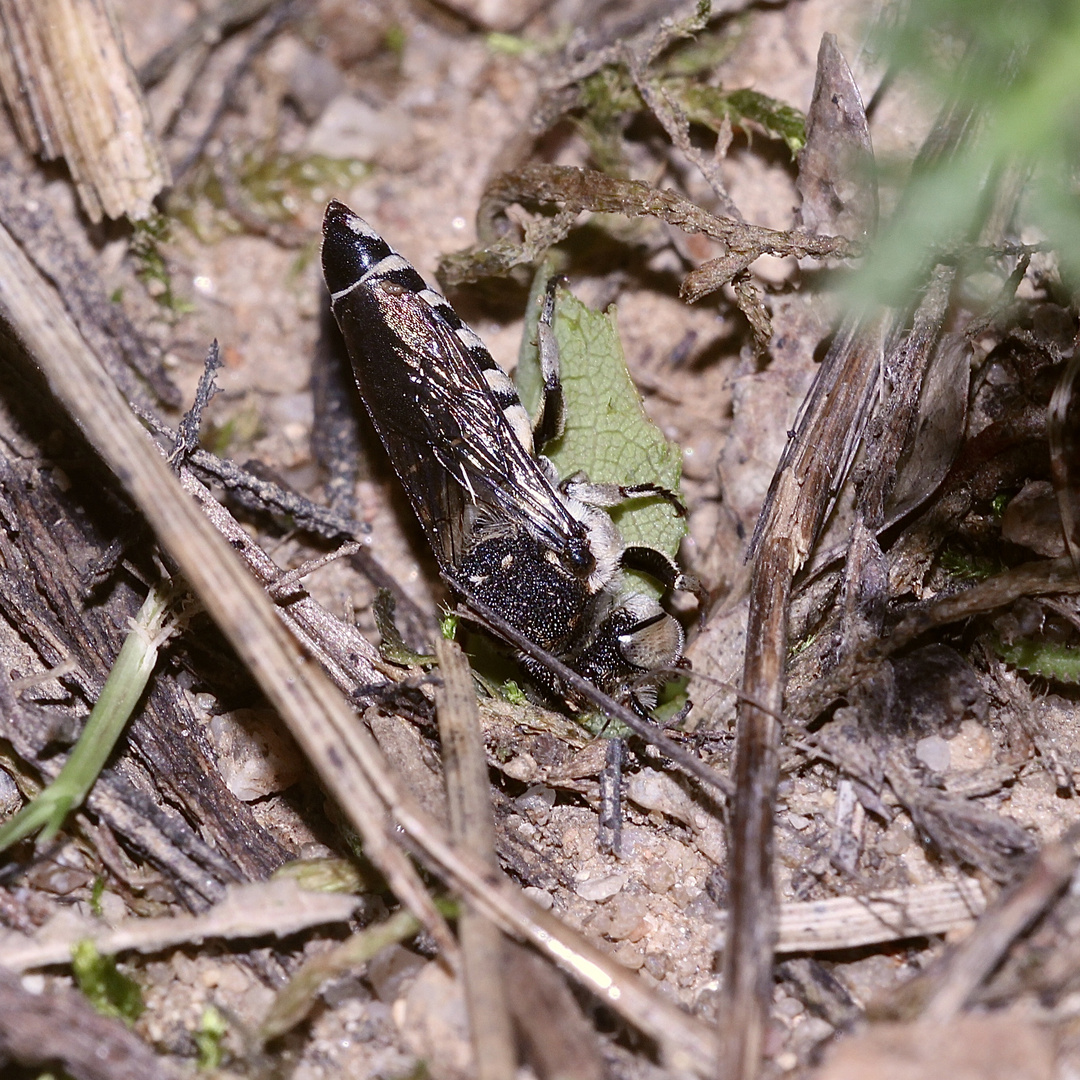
[392, 390]
[437, 399]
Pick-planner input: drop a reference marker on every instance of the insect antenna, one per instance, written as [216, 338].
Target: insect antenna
[482, 614]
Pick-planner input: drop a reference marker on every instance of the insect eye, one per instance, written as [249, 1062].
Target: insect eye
[580, 557]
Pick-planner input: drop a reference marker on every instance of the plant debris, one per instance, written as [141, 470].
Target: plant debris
[846, 334]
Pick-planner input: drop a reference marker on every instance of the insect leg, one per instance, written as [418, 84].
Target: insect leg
[580, 487]
[549, 421]
[609, 827]
[637, 491]
[657, 565]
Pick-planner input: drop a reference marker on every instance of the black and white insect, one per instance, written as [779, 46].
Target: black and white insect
[539, 550]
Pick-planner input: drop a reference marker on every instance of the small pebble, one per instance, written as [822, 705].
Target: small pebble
[626, 918]
[629, 955]
[788, 1007]
[537, 802]
[897, 838]
[540, 897]
[973, 747]
[657, 965]
[660, 877]
[934, 752]
[600, 888]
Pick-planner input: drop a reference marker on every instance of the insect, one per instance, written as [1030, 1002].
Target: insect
[541, 551]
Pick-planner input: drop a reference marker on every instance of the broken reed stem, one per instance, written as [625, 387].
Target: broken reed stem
[472, 825]
[746, 992]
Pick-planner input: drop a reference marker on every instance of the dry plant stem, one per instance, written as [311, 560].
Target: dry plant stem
[279, 908]
[264, 493]
[212, 25]
[589, 55]
[584, 189]
[1030, 579]
[289, 583]
[848, 922]
[748, 948]
[675, 123]
[963, 970]
[828, 431]
[1061, 463]
[561, 85]
[342, 651]
[835, 181]
[343, 752]
[906, 371]
[811, 472]
[472, 825]
[296, 1000]
[277, 15]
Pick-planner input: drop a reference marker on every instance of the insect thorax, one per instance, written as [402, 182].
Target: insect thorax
[531, 587]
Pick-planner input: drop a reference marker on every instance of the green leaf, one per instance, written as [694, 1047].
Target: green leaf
[513, 693]
[119, 696]
[97, 891]
[527, 377]
[607, 434]
[448, 625]
[110, 992]
[208, 1039]
[392, 644]
[330, 875]
[1047, 659]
